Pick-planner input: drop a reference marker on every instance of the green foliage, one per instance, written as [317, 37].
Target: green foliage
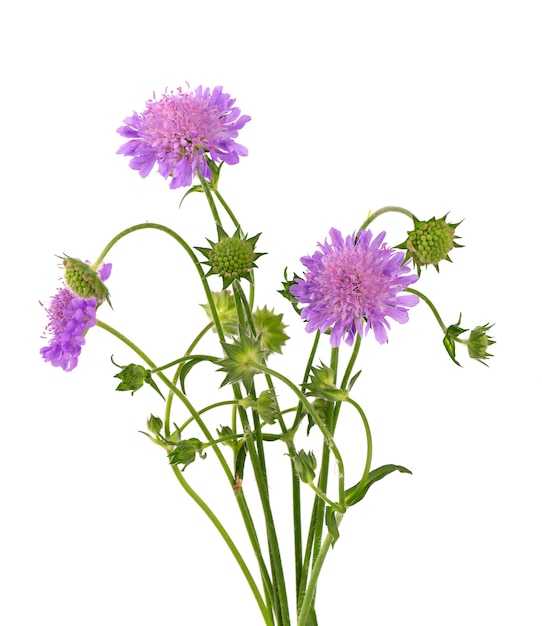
[360, 489]
[133, 377]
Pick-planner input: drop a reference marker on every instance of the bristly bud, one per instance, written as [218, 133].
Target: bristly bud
[323, 385]
[478, 343]
[430, 242]
[270, 329]
[133, 377]
[267, 406]
[84, 281]
[241, 357]
[185, 451]
[227, 313]
[232, 258]
[305, 464]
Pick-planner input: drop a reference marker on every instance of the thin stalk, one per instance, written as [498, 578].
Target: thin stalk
[243, 506]
[304, 613]
[229, 542]
[430, 305]
[386, 209]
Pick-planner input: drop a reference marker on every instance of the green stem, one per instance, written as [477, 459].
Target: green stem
[316, 527]
[245, 512]
[386, 209]
[310, 409]
[281, 605]
[306, 607]
[198, 338]
[207, 190]
[430, 305]
[227, 209]
[368, 436]
[229, 542]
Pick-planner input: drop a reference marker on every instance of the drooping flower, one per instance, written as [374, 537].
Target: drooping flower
[179, 132]
[70, 316]
[354, 282]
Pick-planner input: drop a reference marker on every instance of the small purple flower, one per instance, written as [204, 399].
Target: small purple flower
[178, 132]
[352, 282]
[70, 316]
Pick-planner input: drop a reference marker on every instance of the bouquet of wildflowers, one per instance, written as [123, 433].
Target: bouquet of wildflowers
[354, 285]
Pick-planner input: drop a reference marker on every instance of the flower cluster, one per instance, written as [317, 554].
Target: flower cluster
[178, 131]
[70, 316]
[351, 285]
[352, 282]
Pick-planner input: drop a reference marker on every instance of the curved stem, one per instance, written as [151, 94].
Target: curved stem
[368, 436]
[308, 407]
[430, 305]
[229, 542]
[386, 209]
[245, 512]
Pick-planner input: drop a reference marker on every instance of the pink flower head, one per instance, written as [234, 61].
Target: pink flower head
[179, 132]
[354, 282]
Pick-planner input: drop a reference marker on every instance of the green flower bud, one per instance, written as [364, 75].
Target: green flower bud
[228, 437]
[430, 242]
[185, 451]
[84, 281]
[322, 384]
[241, 357]
[267, 406]
[227, 314]
[132, 377]
[270, 329]
[154, 424]
[478, 343]
[232, 258]
[305, 464]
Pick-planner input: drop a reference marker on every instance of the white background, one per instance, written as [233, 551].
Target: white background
[434, 106]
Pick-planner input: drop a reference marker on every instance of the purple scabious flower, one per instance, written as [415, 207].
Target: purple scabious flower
[354, 282]
[178, 132]
[70, 316]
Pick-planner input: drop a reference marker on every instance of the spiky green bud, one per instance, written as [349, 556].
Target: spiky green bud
[323, 385]
[241, 358]
[133, 377]
[185, 451]
[478, 343]
[270, 328]
[430, 242]
[305, 464]
[84, 281]
[233, 257]
[227, 314]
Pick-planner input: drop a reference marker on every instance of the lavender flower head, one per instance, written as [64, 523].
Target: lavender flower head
[354, 282]
[178, 131]
[70, 316]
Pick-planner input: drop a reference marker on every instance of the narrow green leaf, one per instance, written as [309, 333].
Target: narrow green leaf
[359, 490]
